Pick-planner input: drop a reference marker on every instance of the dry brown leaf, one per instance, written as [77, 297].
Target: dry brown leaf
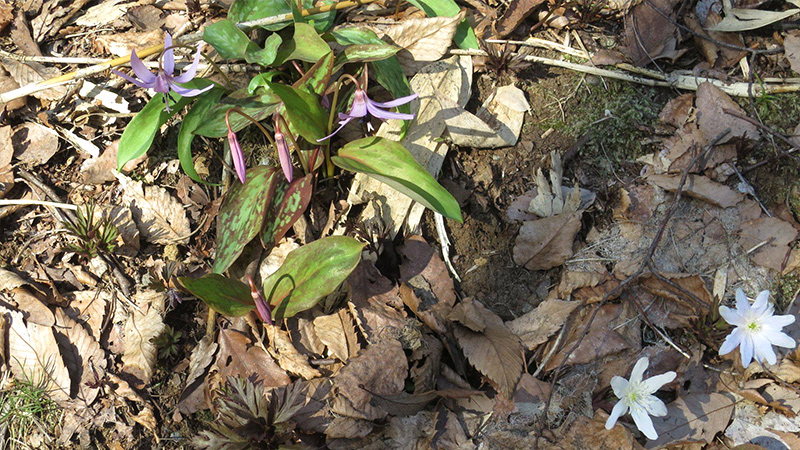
[381, 369]
[788, 371]
[32, 308]
[128, 234]
[121, 44]
[791, 49]
[103, 13]
[379, 317]
[337, 332]
[159, 216]
[649, 35]
[536, 326]
[290, 360]
[496, 352]
[7, 84]
[768, 241]
[348, 428]
[33, 72]
[516, 13]
[6, 146]
[680, 285]
[193, 398]
[584, 432]
[712, 120]
[546, 243]
[422, 40]
[497, 123]
[470, 314]
[699, 187]
[239, 357]
[412, 431]
[34, 144]
[693, 418]
[139, 352]
[304, 335]
[677, 111]
[33, 354]
[89, 309]
[314, 415]
[83, 356]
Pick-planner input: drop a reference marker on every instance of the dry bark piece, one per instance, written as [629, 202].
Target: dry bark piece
[160, 216]
[33, 354]
[546, 243]
[536, 326]
[422, 40]
[34, 144]
[699, 187]
[496, 352]
[517, 12]
[337, 332]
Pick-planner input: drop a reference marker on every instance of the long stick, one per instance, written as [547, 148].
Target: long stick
[82, 73]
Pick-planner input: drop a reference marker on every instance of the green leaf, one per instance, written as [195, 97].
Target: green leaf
[366, 53]
[317, 77]
[288, 204]
[229, 41]
[388, 72]
[305, 45]
[391, 163]
[310, 273]
[260, 81]
[258, 107]
[465, 35]
[305, 113]
[242, 215]
[265, 56]
[224, 295]
[247, 10]
[141, 131]
[195, 116]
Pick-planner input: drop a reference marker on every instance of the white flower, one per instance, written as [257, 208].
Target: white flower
[637, 395]
[757, 329]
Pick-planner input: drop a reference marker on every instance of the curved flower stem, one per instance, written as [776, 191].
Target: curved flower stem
[239, 111]
[328, 161]
[300, 156]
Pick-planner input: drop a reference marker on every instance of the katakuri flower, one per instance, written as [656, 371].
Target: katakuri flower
[164, 81]
[757, 329]
[263, 309]
[364, 108]
[236, 150]
[637, 394]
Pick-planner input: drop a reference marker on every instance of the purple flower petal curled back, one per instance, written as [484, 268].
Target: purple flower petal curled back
[364, 107]
[284, 156]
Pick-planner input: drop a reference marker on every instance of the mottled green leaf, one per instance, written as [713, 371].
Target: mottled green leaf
[247, 10]
[390, 162]
[310, 273]
[365, 53]
[288, 204]
[317, 77]
[224, 295]
[242, 214]
[195, 116]
[305, 45]
[305, 113]
[264, 56]
[228, 40]
[258, 107]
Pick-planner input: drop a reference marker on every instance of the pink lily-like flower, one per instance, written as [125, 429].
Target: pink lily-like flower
[164, 80]
[283, 155]
[364, 108]
[263, 310]
[236, 150]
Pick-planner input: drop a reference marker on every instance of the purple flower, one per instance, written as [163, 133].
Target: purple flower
[236, 150]
[164, 81]
[364, 108]
[262, 307]
[283, 155]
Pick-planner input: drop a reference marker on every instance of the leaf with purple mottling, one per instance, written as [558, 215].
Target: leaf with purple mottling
[288, 203]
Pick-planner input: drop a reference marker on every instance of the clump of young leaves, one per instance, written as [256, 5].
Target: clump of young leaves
[168, 342]
[93, 236]
[501, 60]
[25, 406]
[247, 418]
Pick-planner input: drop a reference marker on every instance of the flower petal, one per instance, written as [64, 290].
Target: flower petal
[742, 303]
[237, 155]
[359, 107]
[746, 348]
[638, 369]
[762, 349]
[654, 406]
[619, 409]
[731, 316]
[396, 102]
[168, 58]
[761, 304]
[779, 339]
[619, 385]
[644, 423]
[342, 123]
[186, 92]
[655, 383]
[384, 115]
[162, 84]
[731, 342]
[139, 83]
[191, 71]
[778, 322]
[284, 156]
[141, 70]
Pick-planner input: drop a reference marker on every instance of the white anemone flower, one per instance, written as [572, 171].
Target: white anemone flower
[757, 329]
[637, 394]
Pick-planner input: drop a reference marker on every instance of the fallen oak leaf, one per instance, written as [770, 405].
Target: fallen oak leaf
[422, 40]
[546, 243]
[537, 325]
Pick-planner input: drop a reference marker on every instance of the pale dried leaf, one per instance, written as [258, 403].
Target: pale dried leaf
[381, 369]
[290, 360]
[121, 44]
[701, 187]
[83, 356]
[496, 352]
[348, 428]
[697, 417]
[712, 119]
[160, 216]
[193, 398]
[89, 309]
[33, 355]
[338, 333]
[6, 147]
[536, 326]
[768, 241]
[103, 13]
[546, 243]
[788, 371]
[139, 352]
[469, 314]
[467, 129]
[34, 144]
[791, 48]
[33, 72]
[422, 40]
[239, 357]
[32, 308]
[738, 19]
